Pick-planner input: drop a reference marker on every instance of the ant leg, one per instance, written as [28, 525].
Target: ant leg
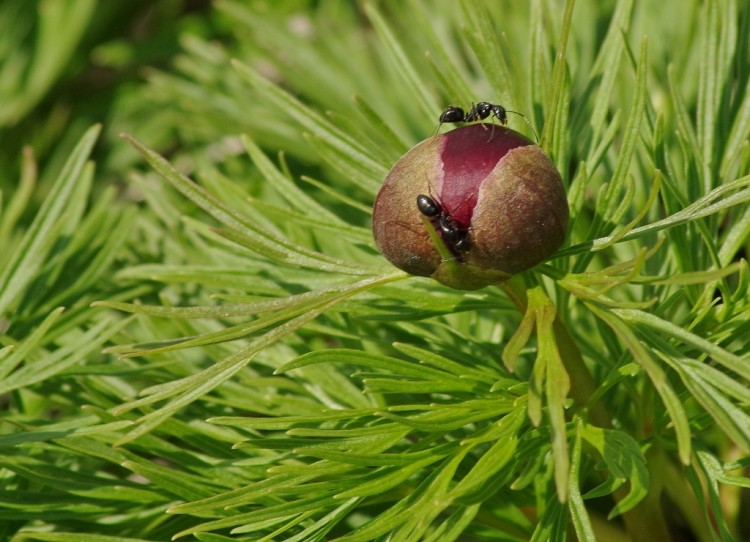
[492, 133]
[475, 114]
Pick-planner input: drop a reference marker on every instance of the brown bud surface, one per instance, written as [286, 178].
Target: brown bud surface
[489, 184]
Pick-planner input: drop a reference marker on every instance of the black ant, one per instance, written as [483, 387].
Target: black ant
[479, 112]
[455, 236]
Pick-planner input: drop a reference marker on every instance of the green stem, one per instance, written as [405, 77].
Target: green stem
[583, 385]
[679, 491]
[644, 522]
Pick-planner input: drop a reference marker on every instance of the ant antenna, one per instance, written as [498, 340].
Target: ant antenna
[527, 123]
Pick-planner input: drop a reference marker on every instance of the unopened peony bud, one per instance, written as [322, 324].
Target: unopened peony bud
[494, 199]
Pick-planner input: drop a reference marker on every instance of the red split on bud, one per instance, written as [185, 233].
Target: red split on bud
[491, 185]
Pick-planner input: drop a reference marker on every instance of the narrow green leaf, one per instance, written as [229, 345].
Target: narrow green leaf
[731, 361]
[375, 361]
[454, 526]
[241, 496]
[713, 512]
[698, 277]
[608, 63]
[87, 425]
[395, 145]
[557, 386]
[708, 90]
[480, 34]
[301, 201]
[10, 214]
[632, 131]
[432, 500]
[491, 462]
[655, 373]
[30, 255]
[385, 479]
[735, 238]
[312, 121]
[348, 166]
[731, 418]
[650, 200]
[682, 117]
[519, 339]
[705, 206]
[739, 134]
[720, 472]
[177, 482]
[598, 153]
[553, 523]
[321, 527]
[578, 512]
[423, 98]
[182, 392]
[31, 342]
[35, 371]
[76, 537]
[58, 29]
[557, 90]
[264, 514]
[431, 359]
[343, 198]
[241, 228]
[624, 461]
[292, 255]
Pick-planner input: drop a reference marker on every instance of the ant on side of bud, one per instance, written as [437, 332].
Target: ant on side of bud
[454, 236]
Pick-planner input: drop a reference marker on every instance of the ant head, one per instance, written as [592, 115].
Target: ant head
[499, 112]
[454, 236]
[428, 206]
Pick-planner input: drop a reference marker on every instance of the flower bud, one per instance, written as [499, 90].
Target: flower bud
[495, 201]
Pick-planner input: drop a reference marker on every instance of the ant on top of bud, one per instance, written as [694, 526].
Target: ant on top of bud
[480, 112]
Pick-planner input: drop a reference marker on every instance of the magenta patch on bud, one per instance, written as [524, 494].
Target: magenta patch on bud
[468, 155]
